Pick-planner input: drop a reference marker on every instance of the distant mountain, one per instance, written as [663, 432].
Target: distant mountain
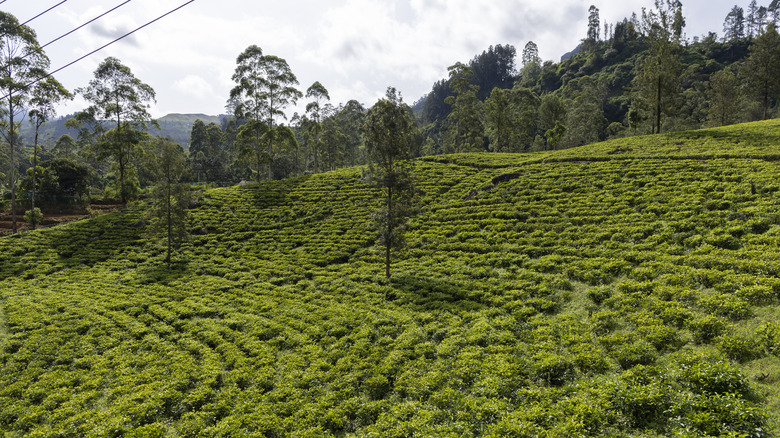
[179, 126]
[568, 55]
[175, 126]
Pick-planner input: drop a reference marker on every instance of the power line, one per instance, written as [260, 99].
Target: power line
[103, 46]
[88, 22]
[42, 13]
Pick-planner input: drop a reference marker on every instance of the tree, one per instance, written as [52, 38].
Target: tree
[333, 141]
[65, 147]
[352, 118]
[494, 67]
[314, 110]
[121, 100]
[552, 114]
[525, 106]
[207, 152]
[466, 130]
[198, 141]
[168, 165]
[762, 67]
[761, 17]
[585, 119]
[724, 96]
[594, 23]
[532, 64]
[554, 135]
[45, 95]
[551, 110]
[752, 20]
[734, 25]
[264, 87]
[60, 181]
[498, 120]
[773, 12]
[22, 61]
[658, 79]
[390, 132]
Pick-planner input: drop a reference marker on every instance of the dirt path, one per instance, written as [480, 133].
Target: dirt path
[55, 218]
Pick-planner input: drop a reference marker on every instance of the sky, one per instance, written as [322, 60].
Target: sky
[355, 48]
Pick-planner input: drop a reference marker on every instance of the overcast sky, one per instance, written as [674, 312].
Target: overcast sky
[355, 48]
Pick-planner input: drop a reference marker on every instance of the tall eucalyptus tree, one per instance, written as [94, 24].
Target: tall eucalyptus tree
[22, 62]
[264, 88]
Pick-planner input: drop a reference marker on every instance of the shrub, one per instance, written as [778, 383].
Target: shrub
[706, 328]
[636, 353]
[706, 375]
[726, 305]
[738, 348]
[33, 216]
[554, 368]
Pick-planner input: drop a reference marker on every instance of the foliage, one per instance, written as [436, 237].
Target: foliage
[762, 67]
[120, 100]
[168, 165]
[558, 293]
[33, 216]
[465, 129]
[390, 135]
[61, 182]
[649, 77]
[264, 87]
[23, 62]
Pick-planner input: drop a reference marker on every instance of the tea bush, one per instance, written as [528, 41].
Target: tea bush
[567, 293]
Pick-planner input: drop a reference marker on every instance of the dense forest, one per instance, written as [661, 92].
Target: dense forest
[640, 75]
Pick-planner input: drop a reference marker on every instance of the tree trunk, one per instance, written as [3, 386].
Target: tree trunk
[257, 150]
[35, 168]
[388, 230]
[258, 163]
[11, 139]
[766, 99]
[168, 211]
[658, 108]
[122, 193]
[270, 158]
[120, 158]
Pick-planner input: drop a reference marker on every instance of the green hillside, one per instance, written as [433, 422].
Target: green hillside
[627, 288]
[179, 126]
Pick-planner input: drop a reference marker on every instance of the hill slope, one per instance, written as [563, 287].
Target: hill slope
[625, 289]
[176, 126]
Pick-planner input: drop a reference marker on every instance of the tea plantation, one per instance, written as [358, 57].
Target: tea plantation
[628, 288]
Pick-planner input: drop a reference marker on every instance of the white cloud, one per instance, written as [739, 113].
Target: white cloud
[193, 85]
[356, 48]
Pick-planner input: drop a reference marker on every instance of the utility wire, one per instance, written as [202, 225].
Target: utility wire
[102, 47]
[88, 22]
[44, 12]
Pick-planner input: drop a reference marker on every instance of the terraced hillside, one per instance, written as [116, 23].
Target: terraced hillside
[627, 288]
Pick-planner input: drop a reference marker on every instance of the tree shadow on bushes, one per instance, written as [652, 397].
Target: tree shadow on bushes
[435, 294]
